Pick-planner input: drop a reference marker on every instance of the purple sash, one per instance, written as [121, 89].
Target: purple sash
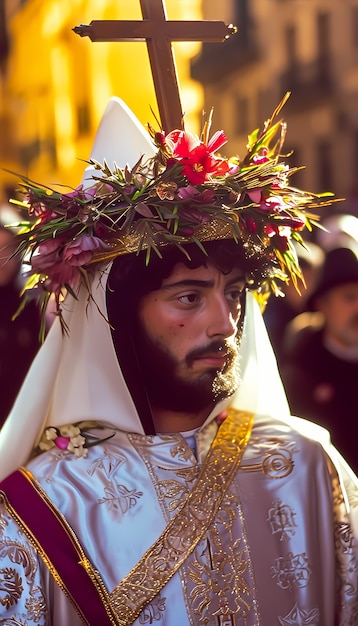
[56, 543]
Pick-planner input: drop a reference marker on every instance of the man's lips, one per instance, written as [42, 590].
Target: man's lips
[213, 359]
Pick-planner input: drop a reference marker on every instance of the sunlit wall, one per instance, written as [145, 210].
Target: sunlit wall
[57, 84]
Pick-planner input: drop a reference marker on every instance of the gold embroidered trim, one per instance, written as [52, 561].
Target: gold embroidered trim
[187, 528]
[82, 559]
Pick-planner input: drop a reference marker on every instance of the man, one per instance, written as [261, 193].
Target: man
[165, 481]
[320, 365]
[280, 311]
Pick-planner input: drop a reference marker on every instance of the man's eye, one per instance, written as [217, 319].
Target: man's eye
[235, 294]
[188, 298]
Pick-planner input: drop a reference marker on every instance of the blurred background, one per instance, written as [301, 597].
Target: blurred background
[54, 85]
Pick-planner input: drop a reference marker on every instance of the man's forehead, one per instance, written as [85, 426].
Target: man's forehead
[344, 288]
[206, 272]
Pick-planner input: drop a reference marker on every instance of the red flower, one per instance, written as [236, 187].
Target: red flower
[250, 224]
[198, 158]
[39, 209]
[280, 242]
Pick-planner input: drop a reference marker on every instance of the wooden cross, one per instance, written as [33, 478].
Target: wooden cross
[159, 33]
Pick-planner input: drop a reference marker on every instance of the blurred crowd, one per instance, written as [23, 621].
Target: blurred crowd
[19, 337]
[315, 334]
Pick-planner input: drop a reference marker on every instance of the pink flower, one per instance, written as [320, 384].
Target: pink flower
[101, 230]
[275, 204]
[59, 276]
[80, 194]
[47, 254]
[191, 193]
[255, 195]
[272, 204]
[62, 442]
[80, 250]
[193, 216]
[261, 157]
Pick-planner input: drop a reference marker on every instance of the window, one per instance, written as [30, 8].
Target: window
[242, 116]
[323, 35]
[83, 118]
[324, 164]
[291, 46]
[295, 160]
[355, 26]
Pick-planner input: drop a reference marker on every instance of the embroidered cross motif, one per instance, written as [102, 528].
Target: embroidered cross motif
[292, 571]
[281, 518]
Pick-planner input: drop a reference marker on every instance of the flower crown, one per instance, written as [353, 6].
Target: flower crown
[185, 193]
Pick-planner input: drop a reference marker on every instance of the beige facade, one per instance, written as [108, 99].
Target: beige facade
[307, 47]
[55, 85]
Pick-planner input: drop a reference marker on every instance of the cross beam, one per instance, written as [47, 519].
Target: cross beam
[159, 33]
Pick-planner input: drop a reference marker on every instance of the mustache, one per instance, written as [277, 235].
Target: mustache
[218, 346]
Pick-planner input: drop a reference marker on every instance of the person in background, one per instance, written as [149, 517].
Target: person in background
[319, 364]
[19, 338]
[339, 230]
[163, 480]
[280, 310]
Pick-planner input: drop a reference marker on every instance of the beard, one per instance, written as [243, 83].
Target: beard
[168, 390]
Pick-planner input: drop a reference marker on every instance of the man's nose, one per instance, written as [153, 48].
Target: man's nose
[221, 321]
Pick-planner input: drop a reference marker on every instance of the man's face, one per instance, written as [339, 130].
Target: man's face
[340, 309]
[186, 337]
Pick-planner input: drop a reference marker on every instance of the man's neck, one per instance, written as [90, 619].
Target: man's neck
[166, 421]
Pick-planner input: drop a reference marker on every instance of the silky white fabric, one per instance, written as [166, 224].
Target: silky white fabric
[282, 552]
[120, 139]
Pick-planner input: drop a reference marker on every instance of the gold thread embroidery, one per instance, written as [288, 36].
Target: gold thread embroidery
[11, 587]
[187, 528]
[82, 559]
[218, 571]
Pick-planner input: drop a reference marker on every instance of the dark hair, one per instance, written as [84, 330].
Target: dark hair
[131, 277]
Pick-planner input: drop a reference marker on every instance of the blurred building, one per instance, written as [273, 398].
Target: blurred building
[54, 85]
[307, 47]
